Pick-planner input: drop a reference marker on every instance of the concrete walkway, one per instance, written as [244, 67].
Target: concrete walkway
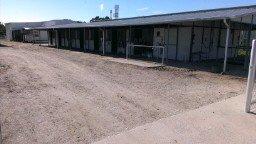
[220, 123]
[139, 63]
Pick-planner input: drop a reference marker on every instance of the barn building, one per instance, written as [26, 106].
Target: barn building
[22, 31]
[217, 35]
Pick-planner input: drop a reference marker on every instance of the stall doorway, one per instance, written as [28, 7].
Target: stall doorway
[96, 40]
[114, 42]
[81, 37]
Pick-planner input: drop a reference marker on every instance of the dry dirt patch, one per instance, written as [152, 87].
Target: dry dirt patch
[60, 96]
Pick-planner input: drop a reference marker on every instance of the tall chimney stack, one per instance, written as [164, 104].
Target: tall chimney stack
[116, 14]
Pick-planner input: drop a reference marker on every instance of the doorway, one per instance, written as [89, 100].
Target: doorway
[96, 40]
[114, 42]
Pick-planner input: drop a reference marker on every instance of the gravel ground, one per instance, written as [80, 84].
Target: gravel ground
[59, 96]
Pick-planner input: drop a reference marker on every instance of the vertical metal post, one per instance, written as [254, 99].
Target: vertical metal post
[251, 77]
[89, 38]
[202, 43]
[191, 42]
[84, 41]
[65, 37]
[226, 50]
[33, 33]
[69, 38]
[177, 44]
[75, 38]
[48, 37]
[168, 42]
[39, 38]
[56, 39]
[103, 40]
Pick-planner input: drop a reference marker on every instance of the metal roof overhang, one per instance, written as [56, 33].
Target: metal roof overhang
[202, 15]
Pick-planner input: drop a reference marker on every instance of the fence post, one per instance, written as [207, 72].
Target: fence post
[251, 77]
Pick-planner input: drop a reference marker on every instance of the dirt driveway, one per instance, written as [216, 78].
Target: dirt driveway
[58, 96]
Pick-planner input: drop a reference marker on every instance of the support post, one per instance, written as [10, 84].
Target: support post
[192, 42]
[226, 50]
[202, 43]
[251, 77]
[177, 44]
[39, 38]
[56, 39]
[131, 42]
[226, 46]
[84, 40]
[69, 38]
[65, 37]
[89, 38]
[168, 41]
[48, 37]
[33, 32]
[103, 41]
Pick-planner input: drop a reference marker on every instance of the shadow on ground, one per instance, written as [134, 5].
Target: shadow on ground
[1, 45]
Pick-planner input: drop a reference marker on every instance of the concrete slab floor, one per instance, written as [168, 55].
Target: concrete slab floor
[139, 63]
[219, 123]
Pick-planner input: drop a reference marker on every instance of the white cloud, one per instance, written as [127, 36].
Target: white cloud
[101, 7]
[143, 9]
[157, 12]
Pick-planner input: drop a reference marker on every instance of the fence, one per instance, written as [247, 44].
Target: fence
[128, 48]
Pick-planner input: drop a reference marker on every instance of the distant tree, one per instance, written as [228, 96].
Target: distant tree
[79, 22]
[99, 19]
[2, 29]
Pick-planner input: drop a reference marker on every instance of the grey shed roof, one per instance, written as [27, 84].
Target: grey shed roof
[213, 14]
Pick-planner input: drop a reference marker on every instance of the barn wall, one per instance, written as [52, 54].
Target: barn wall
[184, 39]
[171, 42]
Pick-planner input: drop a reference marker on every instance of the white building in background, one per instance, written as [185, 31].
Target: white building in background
[18, 27]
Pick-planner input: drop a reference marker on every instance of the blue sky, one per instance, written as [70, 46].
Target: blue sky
[84, 10]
